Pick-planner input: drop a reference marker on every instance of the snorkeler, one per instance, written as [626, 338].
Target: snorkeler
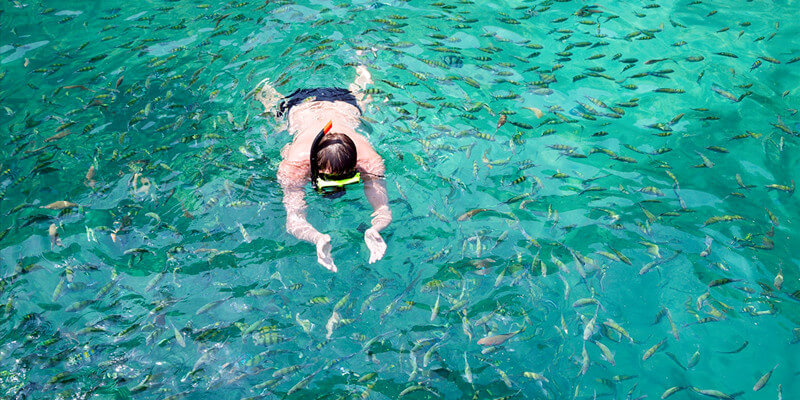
[327, 151]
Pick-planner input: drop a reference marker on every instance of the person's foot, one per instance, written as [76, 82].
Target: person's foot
[364, 78]
[360, 83]
[267, 95]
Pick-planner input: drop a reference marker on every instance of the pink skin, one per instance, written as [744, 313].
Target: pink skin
[305, 121]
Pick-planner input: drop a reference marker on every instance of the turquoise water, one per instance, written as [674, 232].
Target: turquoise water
[174, 278]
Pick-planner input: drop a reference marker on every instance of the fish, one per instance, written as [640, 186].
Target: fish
[206, 308]
[535, 376]
[770, 59]
[497, 340]
[589, 329]
[740, 348]
[706, 162]
[723, 218]
[713, 393]
[707, 250]
[465, 326]
[435, 309]
[89, 178]
[673, 327]
[741, 184]
[501, 121]
[695, 359]
[415, 388]
[763, 380]
[584, 360]
[722, 281]
[724, 93]
[243, 231]
[671, 391]
[332, 323]
[783, 188]
[304, 382]
[535, 111]
[154, 281]
[668, 90]
[55, 241]
[674, 358]
[467, 370]
[60, 205]
[618, 328]
[471, 213]
[305, 324]
[606, 352]
[452, 61]
[286, 370]
[58, 135]
[178, 336]
[652, 350]
[79, 305]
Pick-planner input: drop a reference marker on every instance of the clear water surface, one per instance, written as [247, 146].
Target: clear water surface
[666, 126]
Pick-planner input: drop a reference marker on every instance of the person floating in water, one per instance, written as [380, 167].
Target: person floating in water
[327, 150]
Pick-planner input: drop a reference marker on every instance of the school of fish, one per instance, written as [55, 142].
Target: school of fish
[584, 207]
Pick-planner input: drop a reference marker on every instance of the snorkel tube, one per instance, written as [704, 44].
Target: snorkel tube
[314, 146]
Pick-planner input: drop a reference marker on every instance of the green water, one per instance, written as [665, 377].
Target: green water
[174, 277]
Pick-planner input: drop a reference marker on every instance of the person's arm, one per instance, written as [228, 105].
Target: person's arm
[292, 179]
[375, 190]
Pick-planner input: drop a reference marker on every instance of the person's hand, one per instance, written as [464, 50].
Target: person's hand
[324, 252]
[375, 244]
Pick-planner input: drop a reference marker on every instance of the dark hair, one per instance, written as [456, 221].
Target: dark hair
[336, 153]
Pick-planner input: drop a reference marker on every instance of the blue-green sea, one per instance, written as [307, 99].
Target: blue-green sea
[591, 200]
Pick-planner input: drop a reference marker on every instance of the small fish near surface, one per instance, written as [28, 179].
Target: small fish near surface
[60, 205]
[763, 380]
[726, 94]
[713, 393]
[453, 61]
[536, 111]
[497, 340]
[471, 213]
[55, 241]
[500, 122]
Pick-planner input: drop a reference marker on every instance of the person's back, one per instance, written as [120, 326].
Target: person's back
[307, 119]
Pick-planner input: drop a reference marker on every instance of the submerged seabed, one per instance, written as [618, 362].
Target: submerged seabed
[639, 237]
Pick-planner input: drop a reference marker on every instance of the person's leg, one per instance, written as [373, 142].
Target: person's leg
[363, 78]
[267, 95]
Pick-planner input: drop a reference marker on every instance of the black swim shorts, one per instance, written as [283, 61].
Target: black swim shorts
[316, 94]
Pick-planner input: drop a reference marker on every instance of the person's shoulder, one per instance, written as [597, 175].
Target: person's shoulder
[295, 161]
[371, 162]
[361, 141]
[297, 151]
[293, 172]
[294, 157]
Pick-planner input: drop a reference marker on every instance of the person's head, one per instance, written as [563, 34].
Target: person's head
[336, 154]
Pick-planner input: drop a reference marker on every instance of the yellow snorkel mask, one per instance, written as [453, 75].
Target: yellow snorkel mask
[328, 185]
